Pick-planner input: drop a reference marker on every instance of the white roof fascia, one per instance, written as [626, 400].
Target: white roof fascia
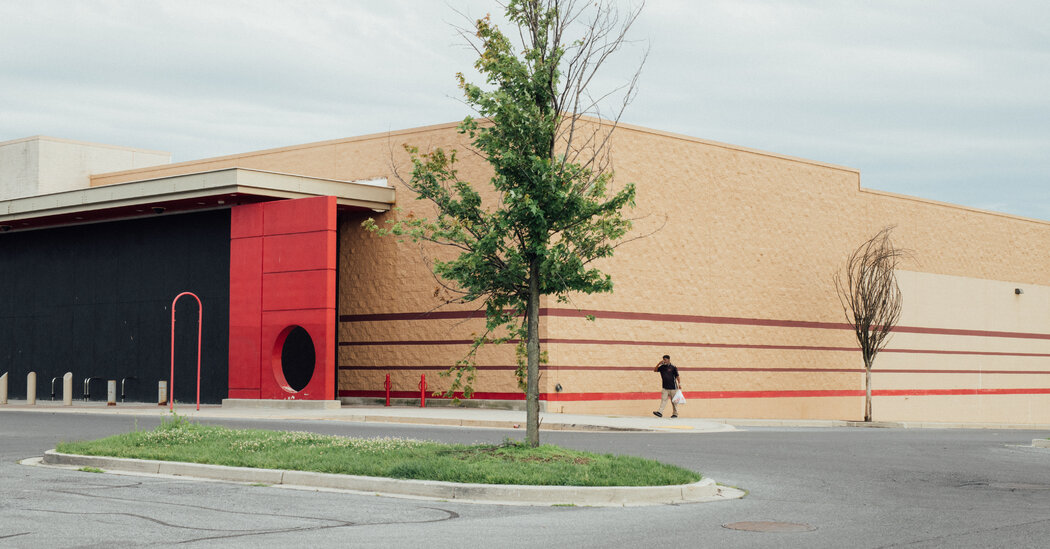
[373, 194]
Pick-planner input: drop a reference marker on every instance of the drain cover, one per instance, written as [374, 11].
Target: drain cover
[769, 526]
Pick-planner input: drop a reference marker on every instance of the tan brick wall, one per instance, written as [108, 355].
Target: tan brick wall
[742, 235]
[745, 240]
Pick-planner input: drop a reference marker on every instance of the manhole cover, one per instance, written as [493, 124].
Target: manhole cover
[769, 526]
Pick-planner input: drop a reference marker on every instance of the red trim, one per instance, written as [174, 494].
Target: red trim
[431, 368]
[582, 397]
[949, 392]
[695, 319]
[704, 369]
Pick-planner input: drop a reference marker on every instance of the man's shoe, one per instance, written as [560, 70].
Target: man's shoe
[674, 415]
[658, 414]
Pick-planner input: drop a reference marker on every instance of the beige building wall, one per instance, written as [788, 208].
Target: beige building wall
[734, 281]
[44, 165]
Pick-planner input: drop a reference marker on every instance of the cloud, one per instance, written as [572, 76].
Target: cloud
[946, 100]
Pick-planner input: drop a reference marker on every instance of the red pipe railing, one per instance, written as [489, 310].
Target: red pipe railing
[171, 380]
[423, 391]
[387, 384]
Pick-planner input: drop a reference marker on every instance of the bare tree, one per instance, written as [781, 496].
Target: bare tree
[871, 298]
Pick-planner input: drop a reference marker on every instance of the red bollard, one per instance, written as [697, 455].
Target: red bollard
[387, 384]
[423, 391]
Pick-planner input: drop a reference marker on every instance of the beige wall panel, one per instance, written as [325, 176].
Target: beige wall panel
[918, 382]
[408, 380]
[412, 330]
[423, 355]
[755, 408]
[606, 381]
[958, 302]
[696, 332]
[1019, 409]
[976, 363]
[947, 342]
[689, 358]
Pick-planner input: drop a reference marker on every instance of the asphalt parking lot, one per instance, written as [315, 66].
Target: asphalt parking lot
[854, 487]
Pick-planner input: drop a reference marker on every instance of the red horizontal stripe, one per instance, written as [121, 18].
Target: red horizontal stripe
[693, 319]
[699, 395]
[705, 369]
[439, 368]
[547, 341]
[948, 392]
[415, 394]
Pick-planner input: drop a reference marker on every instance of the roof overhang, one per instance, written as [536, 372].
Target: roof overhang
[205, 190]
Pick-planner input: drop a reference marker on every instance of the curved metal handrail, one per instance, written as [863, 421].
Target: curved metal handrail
[171, 380]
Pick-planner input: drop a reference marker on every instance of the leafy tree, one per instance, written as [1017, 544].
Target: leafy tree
[554, 213]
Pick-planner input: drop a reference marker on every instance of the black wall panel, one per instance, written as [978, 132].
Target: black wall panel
[95, 300]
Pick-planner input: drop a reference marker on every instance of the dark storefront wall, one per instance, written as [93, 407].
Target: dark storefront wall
[95, 300]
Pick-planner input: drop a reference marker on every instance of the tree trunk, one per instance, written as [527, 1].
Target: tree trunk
[532, 349]
[867, 392]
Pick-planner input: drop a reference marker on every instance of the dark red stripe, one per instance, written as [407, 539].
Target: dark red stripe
[943, 392]
[707, 369]
[438, 368]
[695, 319]
[579, 397]
[546, 341]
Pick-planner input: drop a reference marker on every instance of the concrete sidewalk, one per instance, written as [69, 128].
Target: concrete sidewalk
[443, 415]
[473, 417]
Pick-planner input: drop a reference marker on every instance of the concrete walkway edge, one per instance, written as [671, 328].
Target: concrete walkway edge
[703, 491]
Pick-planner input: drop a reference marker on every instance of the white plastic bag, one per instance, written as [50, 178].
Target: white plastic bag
[678, 397]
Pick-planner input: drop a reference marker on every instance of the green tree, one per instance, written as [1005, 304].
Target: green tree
[555, 213]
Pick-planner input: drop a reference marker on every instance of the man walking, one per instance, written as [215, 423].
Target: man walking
[669, 383]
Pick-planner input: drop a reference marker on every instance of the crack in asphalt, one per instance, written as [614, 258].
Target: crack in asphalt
[190, 506]
[135, 515]
[451, 515]
[232, 533]
[14, 535]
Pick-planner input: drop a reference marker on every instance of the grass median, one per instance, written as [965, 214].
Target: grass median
[177, 439]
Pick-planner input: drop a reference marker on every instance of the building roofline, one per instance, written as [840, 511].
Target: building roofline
[226, 184]
[86, 143]
[263, 152]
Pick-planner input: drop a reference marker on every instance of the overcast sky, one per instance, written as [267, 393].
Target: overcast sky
[948, 100]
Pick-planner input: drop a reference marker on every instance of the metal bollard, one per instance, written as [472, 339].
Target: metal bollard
[111, 392]
[423, 391]
[162, 393]
[31, 388]
[3, 388]
[387, 385]
[67, 389]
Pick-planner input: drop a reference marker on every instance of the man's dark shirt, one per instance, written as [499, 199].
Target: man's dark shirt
[668, 373]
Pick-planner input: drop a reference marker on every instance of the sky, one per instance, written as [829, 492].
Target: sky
[945, 100]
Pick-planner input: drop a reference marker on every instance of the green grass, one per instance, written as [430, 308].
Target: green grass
[91, 470]
[507, 463]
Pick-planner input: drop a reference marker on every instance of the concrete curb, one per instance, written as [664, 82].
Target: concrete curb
[1041, 442]
[613, 496]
